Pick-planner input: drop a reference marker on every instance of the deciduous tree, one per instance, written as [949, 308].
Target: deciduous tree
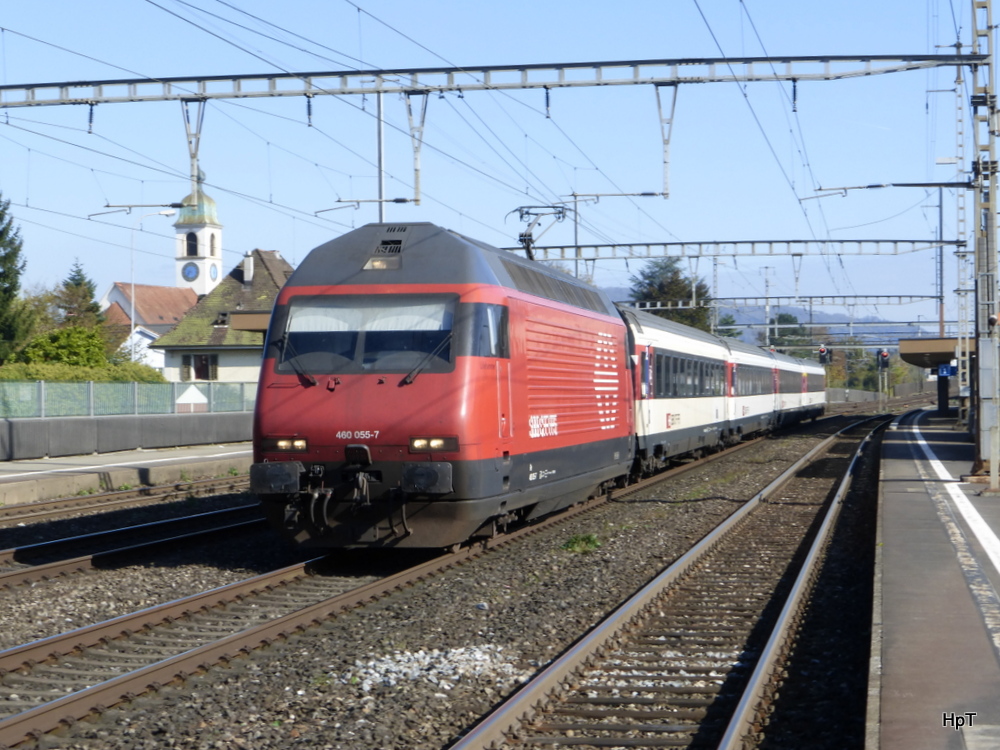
[72, 346]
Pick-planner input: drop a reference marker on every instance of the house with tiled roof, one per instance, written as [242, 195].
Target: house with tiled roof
[204, 346]
[157, 310]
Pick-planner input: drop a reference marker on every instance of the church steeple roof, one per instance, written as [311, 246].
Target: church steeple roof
[199, 208]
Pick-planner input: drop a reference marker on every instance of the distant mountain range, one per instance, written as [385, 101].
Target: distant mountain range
[837, 324]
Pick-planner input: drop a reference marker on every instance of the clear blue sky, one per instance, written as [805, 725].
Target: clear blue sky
[488, 153]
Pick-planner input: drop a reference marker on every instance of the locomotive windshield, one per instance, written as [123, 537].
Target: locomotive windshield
[370, 333]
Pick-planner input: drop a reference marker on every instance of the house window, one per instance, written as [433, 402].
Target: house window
[192, 243]
[211, 245]
[199, 367]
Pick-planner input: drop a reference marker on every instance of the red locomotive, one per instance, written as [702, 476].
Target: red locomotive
[420, 388]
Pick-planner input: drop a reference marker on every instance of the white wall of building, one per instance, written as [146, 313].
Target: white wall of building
[234, 366]
[138, 347]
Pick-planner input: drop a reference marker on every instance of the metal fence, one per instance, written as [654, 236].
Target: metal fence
[44, 399]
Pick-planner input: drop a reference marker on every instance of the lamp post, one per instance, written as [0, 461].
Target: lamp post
[131, 337]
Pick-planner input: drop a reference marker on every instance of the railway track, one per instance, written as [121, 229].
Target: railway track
[689, 661]
[47, 560]
[61, 679]
[65, 677]
[43, 510]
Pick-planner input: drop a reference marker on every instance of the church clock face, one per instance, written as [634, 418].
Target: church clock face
[190, 271]
[214, 272]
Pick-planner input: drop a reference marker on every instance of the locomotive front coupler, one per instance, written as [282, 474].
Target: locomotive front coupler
[359, 495]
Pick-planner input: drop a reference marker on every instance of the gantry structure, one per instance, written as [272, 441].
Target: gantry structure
[666, 77]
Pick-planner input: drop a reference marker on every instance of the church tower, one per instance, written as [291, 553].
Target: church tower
[199, 242]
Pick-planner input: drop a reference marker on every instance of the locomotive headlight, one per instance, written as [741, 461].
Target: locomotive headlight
[290, 445]
[425, 444]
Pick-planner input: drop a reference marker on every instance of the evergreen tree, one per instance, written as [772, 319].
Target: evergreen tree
[15, 316]
[724, 327]
[75, 301]
[782, 337]
[661, 280]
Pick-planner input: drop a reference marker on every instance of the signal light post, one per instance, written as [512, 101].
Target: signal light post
[882, 356]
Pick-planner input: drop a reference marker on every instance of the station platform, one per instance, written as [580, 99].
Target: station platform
[935, 663]
[50, 478]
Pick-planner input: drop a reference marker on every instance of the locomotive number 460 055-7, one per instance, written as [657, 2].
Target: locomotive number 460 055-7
[358, 434]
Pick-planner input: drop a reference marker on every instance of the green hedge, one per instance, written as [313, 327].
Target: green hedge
[55, 372]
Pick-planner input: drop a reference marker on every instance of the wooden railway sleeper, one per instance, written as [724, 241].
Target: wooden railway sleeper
[102, 655]
[645, 692]
[657, 728]
[625, 700]
[86, 674]
[44, 678]
[606, 742]
[562, 710]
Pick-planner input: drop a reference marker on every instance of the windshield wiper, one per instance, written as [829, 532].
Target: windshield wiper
[286, 344]
[412, 374]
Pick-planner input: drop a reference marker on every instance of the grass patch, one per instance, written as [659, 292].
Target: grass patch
[582, 543]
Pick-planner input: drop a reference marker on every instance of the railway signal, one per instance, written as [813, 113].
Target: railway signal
[883, 359]
[824, 355]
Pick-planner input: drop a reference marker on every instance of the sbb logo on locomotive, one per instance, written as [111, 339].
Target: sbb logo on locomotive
[543, 425]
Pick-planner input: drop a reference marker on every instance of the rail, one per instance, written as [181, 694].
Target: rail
[177, 623]
[58, 557]
[511, 718]
[60, 507]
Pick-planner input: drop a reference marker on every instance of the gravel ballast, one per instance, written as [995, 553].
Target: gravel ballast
[414, 669]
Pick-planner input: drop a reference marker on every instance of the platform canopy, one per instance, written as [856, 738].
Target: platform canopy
[930, 352]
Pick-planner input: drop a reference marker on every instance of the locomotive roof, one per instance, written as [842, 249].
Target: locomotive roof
[424, 253]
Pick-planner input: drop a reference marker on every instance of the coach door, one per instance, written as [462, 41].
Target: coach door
[646, 389]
